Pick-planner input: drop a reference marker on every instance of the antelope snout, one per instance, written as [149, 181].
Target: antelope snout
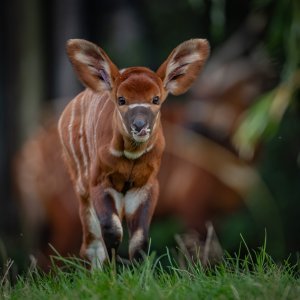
[139, 120]
[138, 124]
[140, 129]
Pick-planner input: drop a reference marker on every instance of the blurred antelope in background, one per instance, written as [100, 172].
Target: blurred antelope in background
[112, 141]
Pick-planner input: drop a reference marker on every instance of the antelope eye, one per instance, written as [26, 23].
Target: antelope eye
[155, 100]
[121, 101]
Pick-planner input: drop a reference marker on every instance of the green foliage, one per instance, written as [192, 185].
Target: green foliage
[254, 276]
[262, 120]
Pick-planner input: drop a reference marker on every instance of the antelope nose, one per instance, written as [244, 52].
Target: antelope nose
[138, 124]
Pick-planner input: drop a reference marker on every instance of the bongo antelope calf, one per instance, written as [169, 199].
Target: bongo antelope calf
[112, 141]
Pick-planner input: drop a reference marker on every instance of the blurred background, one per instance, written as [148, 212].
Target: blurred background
[232, 163]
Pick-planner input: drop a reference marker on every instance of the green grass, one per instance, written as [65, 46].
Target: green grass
[255, 276]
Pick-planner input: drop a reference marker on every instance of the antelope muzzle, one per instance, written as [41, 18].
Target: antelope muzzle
[139, 121]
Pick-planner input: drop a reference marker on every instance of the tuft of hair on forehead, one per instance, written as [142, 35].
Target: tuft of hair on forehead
[138, 71]
[139, 80]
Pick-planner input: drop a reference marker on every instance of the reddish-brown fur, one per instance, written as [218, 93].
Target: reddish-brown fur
[190, 191]
[47, 198]
[113, 159]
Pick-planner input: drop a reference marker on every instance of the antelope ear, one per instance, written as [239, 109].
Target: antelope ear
[92, 65]
[183, 65]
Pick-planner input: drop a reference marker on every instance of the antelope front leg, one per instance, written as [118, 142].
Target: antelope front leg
[93, 247]
[108, 204]
[139, 207]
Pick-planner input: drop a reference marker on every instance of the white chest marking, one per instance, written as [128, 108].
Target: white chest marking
[60, 131]
[134, 198]
[131, 201]
[131, 155]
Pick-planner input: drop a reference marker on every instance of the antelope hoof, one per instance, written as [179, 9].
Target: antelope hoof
[95, 252]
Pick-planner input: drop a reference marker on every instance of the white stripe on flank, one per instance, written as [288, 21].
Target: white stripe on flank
[90, 124]
[96, 124]
[81, 189]
[60, 132]
[138, 104]
[91, 121]
[83, 153]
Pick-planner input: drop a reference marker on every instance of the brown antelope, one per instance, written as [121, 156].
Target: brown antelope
[112, 141]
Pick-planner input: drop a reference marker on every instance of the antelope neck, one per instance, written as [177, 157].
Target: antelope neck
[126, 146]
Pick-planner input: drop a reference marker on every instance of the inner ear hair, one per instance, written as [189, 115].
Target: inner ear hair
[104, 77]
[176, 73]
[92, 65]
[183, 65]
